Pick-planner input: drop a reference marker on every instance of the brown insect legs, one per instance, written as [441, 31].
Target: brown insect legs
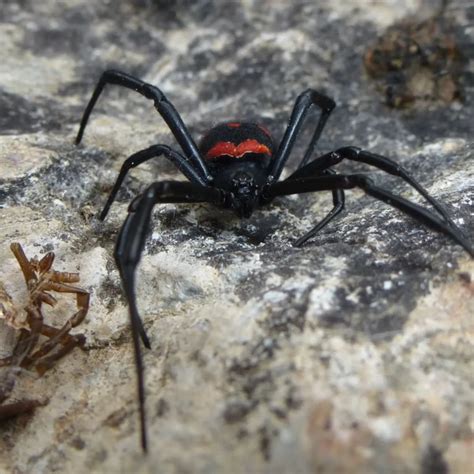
[40, 280]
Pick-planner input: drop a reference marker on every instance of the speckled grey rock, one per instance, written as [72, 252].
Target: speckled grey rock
[352, 354]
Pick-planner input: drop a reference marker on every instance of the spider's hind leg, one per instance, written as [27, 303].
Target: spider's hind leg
[383, 163]
[337, 181]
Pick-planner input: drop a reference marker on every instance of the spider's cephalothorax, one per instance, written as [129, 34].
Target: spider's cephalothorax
[236, 166]
[238, 154]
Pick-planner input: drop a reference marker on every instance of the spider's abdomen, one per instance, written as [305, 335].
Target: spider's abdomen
[236, 140]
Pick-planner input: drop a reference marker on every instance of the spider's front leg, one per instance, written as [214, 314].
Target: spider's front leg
[128, 250]
[164, 107]
[303, 105]
[142, 156]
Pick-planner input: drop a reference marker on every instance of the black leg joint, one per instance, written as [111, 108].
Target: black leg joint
[310, 96]
[350, 152]
[152, 92]
[303, 104]
[359, 180]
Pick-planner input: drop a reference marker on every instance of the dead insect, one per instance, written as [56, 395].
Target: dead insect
[28, 353]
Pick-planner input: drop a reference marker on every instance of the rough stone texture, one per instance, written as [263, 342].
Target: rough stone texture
[352, 354]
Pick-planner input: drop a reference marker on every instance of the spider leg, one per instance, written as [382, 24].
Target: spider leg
[130, 244]
[381, 162]
[329, 182]
[164, 107]
[144, 155]
[338, 199]
[302, 107]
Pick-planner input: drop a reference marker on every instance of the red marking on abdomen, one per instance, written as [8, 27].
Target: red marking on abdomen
[252, 146]
[233, 124]
[237, 151]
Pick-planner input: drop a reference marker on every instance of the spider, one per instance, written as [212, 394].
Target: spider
[40, 279]
[238, 167]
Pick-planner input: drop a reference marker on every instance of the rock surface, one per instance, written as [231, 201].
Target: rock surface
[352, 354]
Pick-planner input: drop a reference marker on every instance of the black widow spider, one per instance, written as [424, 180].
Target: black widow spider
[236, 166]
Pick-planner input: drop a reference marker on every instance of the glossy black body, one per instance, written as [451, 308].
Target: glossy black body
[241, 178]
[242, 182]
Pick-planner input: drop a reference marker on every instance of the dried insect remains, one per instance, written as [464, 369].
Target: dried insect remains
[29, 352]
